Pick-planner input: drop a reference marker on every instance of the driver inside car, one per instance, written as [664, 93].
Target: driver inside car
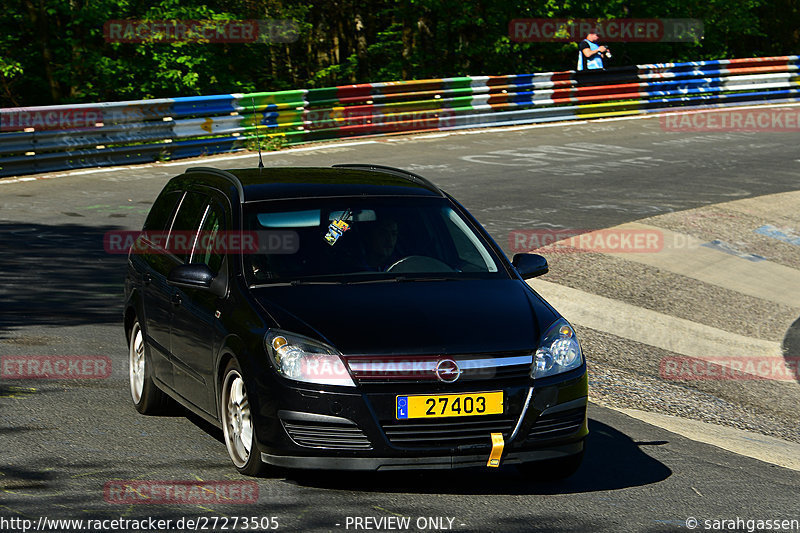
[380, 244]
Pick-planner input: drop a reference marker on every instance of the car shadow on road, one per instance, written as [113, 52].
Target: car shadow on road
[612, 461]
[58, 275]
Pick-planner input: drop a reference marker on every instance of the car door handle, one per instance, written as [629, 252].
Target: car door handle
[176, 298]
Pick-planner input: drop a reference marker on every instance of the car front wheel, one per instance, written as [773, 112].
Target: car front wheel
[147, 397]
[237, 422]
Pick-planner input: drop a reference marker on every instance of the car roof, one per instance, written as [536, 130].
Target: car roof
[282, 183]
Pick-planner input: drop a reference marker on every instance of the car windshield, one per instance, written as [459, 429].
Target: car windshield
[363, 240]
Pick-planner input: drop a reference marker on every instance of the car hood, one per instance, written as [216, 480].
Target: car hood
[412, 317]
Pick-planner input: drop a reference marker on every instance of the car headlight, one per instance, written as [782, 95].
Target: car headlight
[303, 359]
[558, 351]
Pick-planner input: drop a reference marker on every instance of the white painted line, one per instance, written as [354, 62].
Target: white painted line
[502, 129]
[768, 449]
[326, 146]
[432, 136]
[264, 154]
[651, 327]
[209, 160]
[91, 171]
[187, 162]
[679, 111]
[72, 173]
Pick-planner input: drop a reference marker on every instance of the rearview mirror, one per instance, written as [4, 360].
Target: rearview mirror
[530, 265]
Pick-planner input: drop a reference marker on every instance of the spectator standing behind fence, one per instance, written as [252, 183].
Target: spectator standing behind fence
[590, 54]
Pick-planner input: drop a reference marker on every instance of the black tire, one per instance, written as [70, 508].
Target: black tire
[552, 469]
[147, 398]
[235, 415]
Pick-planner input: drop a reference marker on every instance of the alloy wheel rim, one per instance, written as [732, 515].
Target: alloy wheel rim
[136, 366]
[237, 423]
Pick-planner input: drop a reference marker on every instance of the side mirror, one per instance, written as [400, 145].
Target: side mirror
[194, 276]
[530, 265]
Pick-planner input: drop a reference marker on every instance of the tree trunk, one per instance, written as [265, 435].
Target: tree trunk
[37, 18]
[408, 46]
[361, 48]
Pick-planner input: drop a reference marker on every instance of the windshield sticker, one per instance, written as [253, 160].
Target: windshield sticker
[337, 229]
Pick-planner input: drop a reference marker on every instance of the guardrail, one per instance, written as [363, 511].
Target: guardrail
[50, 138]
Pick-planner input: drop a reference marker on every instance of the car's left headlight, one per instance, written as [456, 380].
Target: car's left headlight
[558, 351]
[302, 359]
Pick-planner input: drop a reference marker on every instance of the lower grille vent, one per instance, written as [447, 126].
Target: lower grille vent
[449, 433]
[561, 424]
[327, 435]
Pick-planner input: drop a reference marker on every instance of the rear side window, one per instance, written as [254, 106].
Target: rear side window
[161, 213]
[183, 234]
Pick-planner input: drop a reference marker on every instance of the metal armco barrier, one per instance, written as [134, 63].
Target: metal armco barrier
[50, 138]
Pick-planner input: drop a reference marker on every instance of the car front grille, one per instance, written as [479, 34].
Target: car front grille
[555, 425]
[423, 369]
[447, 433]
[340, 436]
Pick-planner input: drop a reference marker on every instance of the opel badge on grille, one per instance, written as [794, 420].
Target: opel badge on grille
[447, 371]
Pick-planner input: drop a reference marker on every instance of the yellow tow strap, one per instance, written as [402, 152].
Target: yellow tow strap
[497, 450]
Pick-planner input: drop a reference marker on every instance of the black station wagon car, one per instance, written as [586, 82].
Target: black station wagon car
[353, 317]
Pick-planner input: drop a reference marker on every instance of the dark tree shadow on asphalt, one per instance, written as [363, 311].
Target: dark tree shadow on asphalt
[58, 275]
[612, 461]
[791, 348]
[59, 493]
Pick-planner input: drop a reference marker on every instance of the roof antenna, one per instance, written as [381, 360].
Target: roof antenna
[258, 140]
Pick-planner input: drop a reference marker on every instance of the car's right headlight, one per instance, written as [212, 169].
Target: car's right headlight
[302, 359]
[558, 351]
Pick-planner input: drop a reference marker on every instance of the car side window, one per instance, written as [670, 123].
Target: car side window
[183, 234]
[209, 249]
[162, 211]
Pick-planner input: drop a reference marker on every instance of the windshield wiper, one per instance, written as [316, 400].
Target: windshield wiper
[426, 278]
[393, 279]
[295, 283]
[400, 279]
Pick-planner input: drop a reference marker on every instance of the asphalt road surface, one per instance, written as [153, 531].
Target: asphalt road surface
[64, 443]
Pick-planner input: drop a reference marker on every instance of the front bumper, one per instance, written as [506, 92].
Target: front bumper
[307, 428]
[417, 463]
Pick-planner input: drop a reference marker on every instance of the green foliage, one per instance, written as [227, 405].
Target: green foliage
[268, 143]
[55, 51]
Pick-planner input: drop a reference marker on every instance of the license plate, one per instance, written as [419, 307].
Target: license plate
[443, 405]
